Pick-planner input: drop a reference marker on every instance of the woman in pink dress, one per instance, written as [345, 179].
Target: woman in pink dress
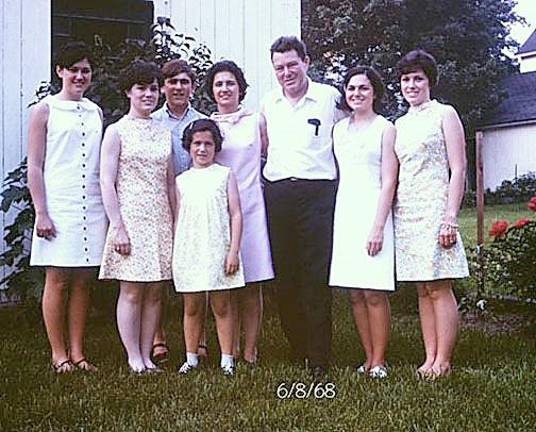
[241, 151]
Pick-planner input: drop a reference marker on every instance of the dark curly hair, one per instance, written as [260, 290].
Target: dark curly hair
[139, 72]
[416, 60]
[231, 67]
[202, 125]
[71, 53]
[375, 80]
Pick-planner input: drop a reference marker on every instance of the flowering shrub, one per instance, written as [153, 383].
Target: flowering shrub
[509, 261]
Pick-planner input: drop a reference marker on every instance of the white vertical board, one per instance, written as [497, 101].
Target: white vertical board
[240, 30]
[24, 62]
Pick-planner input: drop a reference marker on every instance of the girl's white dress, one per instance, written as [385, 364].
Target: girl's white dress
[72, 189]
[203, 232]
[359, 155]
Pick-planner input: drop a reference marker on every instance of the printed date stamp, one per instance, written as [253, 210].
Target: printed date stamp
[300, 390]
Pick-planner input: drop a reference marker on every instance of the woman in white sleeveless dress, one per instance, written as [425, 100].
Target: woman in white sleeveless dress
[363, 249]
[63, 177]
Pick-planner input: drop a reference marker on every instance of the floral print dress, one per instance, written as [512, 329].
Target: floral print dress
[143, 199]
[421, 201]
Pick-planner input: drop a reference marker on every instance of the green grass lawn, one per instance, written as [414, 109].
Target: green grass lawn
[492, 387]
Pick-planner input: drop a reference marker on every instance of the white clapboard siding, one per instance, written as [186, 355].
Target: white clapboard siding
[507, 152]
[238, 30]
[25, 35]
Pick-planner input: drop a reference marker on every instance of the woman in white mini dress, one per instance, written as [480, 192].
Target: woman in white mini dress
[363, 249]
[63, 177]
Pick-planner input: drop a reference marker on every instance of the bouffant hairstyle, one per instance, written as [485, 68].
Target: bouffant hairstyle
[288, 43]
[416, 60]
[202, 125]
[231, 67]
[178, 66]
[71, 53]
[375, 80]
[139, 72]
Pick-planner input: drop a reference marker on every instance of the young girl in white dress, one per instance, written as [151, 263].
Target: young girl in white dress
[208, 230]
[363, 249]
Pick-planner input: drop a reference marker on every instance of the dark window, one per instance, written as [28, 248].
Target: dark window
[113, 20]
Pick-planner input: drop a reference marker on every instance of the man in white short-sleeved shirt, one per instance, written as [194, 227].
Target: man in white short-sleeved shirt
[300, 195]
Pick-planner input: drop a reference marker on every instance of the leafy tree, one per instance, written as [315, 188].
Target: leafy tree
[467, 37]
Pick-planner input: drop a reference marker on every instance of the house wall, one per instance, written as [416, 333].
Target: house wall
[238, 30]
[527, 62]
[25, 36]
[507, 152]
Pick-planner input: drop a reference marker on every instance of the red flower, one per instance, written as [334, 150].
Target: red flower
[499, 228]
[522, 222]
[532, 204]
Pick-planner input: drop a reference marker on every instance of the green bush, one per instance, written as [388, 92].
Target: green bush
[508, 263]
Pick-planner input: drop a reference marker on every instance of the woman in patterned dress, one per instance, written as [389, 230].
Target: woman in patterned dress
[430, 146]
[137, 181]
[241, 151]
[63, 177]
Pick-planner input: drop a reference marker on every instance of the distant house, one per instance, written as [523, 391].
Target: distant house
[31, 30]
[509, 133]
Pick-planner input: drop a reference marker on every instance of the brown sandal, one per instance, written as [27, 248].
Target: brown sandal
[61, 367]
[85, 365]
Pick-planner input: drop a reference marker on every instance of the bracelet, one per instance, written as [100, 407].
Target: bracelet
[447, 225]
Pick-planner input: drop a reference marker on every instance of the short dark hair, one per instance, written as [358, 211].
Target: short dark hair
[416, 60]
[178, 66]
[231, 67]
[202, 125]
[375, 80]
[71, 53]
[139, 72]
[288, 43]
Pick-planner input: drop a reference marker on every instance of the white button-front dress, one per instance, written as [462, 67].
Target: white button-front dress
[72, 189]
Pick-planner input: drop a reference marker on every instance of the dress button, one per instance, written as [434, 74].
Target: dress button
[83, 144]
[87, 259]
[84, 217]
[85, 238]
[83, 176]
[83, 134]
[83, 197]
[86, 249]
[83, 186]
[83, 165]
[84, 207]
[83, 155]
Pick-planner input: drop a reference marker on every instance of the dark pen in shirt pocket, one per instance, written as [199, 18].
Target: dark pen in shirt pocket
[314, 122]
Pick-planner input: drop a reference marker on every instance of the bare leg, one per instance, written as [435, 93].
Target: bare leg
[129, 322]
[251, 317]
[194, 305]
[53, 305]
[160, 334]
[79, 301]
[150, 317]
[446, 323]
[359, 309]
[236, 308]
[378, 312]
[202, 349]
[426, 312]
[221, 307]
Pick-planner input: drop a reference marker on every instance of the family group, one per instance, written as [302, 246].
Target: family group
[345, 199]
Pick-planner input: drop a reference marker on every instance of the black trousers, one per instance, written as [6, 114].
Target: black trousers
[300, 216]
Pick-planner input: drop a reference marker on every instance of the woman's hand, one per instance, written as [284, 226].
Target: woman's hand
[121, 241]
[231, 263]
[448, 233]
[44, 226]
[375, 241]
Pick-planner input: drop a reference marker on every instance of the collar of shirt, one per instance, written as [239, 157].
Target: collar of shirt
[173, 116]
[313, 93]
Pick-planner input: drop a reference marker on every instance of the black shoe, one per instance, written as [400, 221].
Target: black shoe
[319, 373]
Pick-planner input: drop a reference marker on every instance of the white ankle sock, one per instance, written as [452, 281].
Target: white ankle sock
[227, 360]
[192, 359]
